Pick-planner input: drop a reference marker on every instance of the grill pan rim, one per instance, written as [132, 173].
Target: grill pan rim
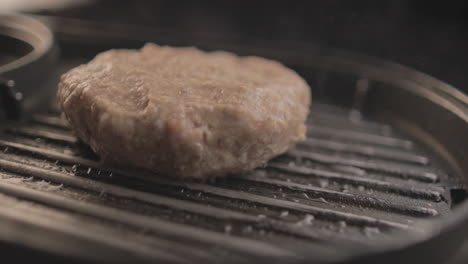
[30, 31]
[30, 71]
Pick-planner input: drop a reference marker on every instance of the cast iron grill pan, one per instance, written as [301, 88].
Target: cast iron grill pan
[355, 187]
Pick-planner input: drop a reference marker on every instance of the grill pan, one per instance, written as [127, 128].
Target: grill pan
[380, 178]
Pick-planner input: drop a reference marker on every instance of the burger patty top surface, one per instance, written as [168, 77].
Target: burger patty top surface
[184, 112]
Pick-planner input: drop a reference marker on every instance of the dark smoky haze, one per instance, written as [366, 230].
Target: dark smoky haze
[430, 36]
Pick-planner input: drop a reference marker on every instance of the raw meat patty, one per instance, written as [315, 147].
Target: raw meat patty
[184, 112]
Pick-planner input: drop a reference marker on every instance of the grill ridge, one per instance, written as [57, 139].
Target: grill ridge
[99, 187]
[366, 150]
[328, 194]
[68, 179]
[383, 166]
[422, 193]
[366, 137]
[188, 233]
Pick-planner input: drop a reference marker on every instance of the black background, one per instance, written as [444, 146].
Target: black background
[430, 36]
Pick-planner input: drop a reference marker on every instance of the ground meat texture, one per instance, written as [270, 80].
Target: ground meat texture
[184, 112]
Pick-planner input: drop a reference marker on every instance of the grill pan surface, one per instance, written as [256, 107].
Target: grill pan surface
[356, 191]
